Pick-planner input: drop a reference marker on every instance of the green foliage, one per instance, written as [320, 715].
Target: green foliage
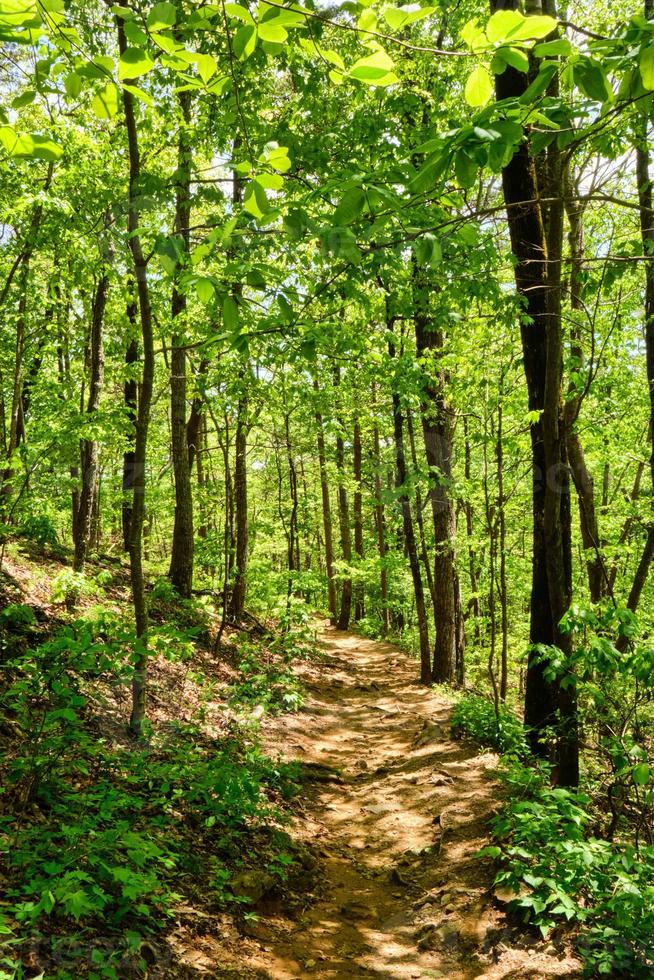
[40, 529]
[553, 870]
[476, 717]
[128, 827]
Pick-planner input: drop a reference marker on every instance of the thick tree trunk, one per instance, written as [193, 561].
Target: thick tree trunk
[181, 559]
[537, 275]
[644, 181]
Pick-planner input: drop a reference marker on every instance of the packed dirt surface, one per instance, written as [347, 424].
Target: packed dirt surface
[397, 813]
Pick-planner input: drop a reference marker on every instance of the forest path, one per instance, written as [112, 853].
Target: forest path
[401, 894]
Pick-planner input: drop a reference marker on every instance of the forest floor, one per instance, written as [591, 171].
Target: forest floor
[397, 815]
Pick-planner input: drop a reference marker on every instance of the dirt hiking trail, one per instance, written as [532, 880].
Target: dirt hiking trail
[396, 815]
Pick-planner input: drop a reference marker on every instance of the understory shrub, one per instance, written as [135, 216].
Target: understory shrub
[477, 717]
[553, 871]
[105, 838]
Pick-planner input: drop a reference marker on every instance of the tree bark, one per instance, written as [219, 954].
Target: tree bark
[239, 586]
[359, 608]
[380, 522]
[90, 449]
[537, 275]
[343, 520]
[326, 509]
[180, 572]
[139, 681]
[407, 523]
[437, 431]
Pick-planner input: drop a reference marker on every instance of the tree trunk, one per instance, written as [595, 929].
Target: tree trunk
[130, 400]
[344, 523]
[407, 523]
[541, 344]
[581, 475]
[359, 609]
[438, 438]
[180, 572]
[326, 510]
[239, 586]
[380, 523]
[90, 450]
[143, 414]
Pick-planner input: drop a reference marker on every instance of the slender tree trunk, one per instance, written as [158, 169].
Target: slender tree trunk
[359, 609]
[181, 559]
[474, 608]
[438, 437]
[293, 555]
[326, 511]
[581, 475]
[343, 521]
[380, 522]
[407, 523]
[501, 519]
[424, 553]
[19, 353]
[143, 414]
[239, 587]
[130, 400]
[90, 449]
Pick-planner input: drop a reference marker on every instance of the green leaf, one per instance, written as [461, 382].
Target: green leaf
[230, 314]
[25, 98]
[255, 200]
[376, 69]
[350, 207]
[465, 168]
[546, 73]
[73, 84]
[514, 57]
[161, 16]
[553, 49]
[207, 67]
[105, 103]
[271, 31]
[245, 41]
[646, 67]
[241, 13]
[641, 774]
[397, 17]
[134, 62]
[479, 87]
[502, 24]
[589, 76]
[427, 250]
[29, 145]
[533, 29]
[204, 287]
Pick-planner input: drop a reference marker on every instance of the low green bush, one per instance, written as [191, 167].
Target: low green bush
[560, 873]
[475, 716]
